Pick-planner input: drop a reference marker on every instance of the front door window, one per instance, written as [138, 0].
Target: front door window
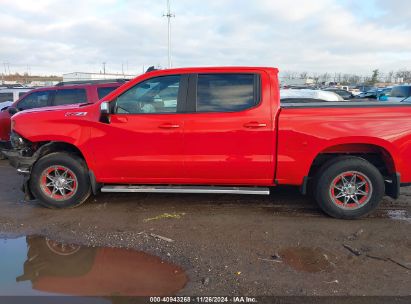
[157, 95]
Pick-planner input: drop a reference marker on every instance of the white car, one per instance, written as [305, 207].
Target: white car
[289, 94]
[11, 95]
[4, 105]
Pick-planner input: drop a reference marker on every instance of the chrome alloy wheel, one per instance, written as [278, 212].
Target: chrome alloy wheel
[351, 190]
[58, 183]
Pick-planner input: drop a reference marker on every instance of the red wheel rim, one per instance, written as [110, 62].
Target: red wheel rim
[351, 190]
[58, 183]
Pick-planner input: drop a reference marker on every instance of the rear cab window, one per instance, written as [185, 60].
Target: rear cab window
[70, 96]
[227, 92]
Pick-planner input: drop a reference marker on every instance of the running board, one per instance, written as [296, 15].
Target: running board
[187, 189]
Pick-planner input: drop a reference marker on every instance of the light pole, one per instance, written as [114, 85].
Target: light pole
[169, 15]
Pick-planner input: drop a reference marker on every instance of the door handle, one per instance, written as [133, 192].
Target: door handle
[169, 126]
[255, 125]
[119, 119]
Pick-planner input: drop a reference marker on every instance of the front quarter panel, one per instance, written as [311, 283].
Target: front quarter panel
[70, 126]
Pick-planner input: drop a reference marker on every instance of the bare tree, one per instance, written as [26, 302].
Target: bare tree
[389, 77]
[404, 74]
[354, 79]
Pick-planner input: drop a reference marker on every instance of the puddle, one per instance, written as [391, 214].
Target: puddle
[38, 266]
[393, 214]
[307, 259]
[399, 215]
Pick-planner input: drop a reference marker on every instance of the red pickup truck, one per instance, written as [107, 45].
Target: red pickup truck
[214, 130]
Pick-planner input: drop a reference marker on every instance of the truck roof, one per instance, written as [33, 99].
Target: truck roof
[224, 68]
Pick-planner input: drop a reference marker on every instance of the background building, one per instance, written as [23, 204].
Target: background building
[75, 76]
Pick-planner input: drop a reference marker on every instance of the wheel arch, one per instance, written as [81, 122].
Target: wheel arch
[377, 155]
[60, 146]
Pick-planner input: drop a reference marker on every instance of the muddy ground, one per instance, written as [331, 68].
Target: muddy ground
[231, 245]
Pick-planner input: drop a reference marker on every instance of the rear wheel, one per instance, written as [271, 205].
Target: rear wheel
[60, 180]
[349, 188]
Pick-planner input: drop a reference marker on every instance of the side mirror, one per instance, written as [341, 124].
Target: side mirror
[105, 112]
[105, 108]
[12, 110]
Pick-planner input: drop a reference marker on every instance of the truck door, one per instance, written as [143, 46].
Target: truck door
[229, 138]
[143, 143]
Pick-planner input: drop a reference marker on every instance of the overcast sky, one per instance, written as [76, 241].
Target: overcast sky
[348, 36]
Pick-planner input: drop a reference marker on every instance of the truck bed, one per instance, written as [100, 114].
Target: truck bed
[306, 130]
[341, 104]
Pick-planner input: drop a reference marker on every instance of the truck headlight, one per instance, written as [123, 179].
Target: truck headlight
[17, 142]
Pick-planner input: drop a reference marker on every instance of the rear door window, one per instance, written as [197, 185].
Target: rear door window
[70, 96]
[35, 100]
[226, 92]
[103, 92]
[6, 97]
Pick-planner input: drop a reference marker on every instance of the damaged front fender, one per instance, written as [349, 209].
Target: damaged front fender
[23, 161]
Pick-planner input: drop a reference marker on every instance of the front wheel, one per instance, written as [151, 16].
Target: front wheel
[349, 188]
[60, 180]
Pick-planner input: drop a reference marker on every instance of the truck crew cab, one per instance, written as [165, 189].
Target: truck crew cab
[214, 130]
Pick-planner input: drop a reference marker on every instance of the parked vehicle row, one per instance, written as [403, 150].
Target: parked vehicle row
[396, 93]
[214, 130]
[305, 95]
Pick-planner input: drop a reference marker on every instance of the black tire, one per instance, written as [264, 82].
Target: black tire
[328, 178]
[78, 171]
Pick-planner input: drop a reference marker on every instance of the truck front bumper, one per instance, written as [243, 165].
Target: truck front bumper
[23, 165]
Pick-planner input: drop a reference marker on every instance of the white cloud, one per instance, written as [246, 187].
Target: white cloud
[318, 36]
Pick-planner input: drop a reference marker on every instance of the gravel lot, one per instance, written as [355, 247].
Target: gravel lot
[231, 245]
